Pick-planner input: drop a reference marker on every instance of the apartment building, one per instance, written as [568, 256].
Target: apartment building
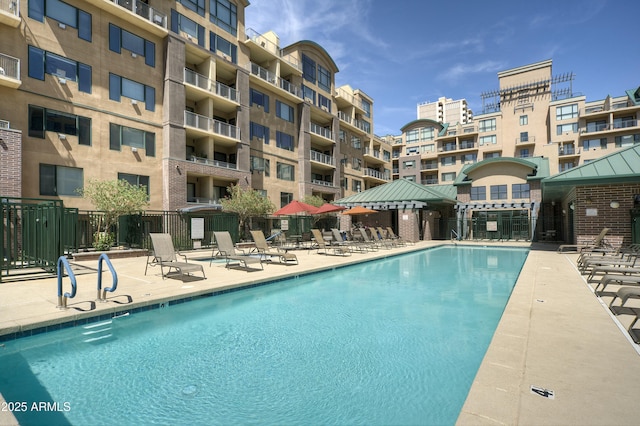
[446, 110]
[533, 113]
[180, 97]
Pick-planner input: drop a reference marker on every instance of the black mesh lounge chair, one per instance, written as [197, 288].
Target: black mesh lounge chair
[165, 256]
[227, 250]
[265, 249]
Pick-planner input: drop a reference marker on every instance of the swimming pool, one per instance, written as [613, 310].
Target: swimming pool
[393, 341]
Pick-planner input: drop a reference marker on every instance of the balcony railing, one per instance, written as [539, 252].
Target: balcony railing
[210, 125]
[262, 41]
[202, 200]
[429, 181]
[199, 80]
[372, 152]
[321, 158]
[12, 7]
[428, 166]
[144, 10]
[467, 145]
[624, 124]
[592, 128]
[376, 174]
[344, 117]
[568, 151]
[9, 66]
[321, 182]
[526, 139]
[319, 130]
[263, 73]
[216, 163]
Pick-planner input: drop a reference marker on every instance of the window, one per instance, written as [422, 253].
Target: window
[123, 39]
[135, 138]
[309, 94]
[594, 144]
[63, 13]
[259, 131]
[224, 14]
[478, 193]
[259, 164]
[488, 125]
[182, 24]
[627, 140]
[524, 153]
[561, 129]
[356, 163]
[220, 44]
[366, 106]
[427, 134]
[285, 171]
[597, 126]
[324, 102]
[284, 111]
[486, 140]
[259, 99]
[356, 185]
[120, 86]
[195, 5]
[448, 161]
[324, 79]
[284, 141]
[356, 142]
[42, 119]
[566, 112]
[448, 177]
[524, 136]
[412, 136]
[308, 69]
[408, 164]
[524, 120]
[469, 158]
[498, 192]
[42, 62]
[520, 190]
[410, 178]
[60, 180]
[135, 180]
[491, 155]
[285, 198]
[624, 122]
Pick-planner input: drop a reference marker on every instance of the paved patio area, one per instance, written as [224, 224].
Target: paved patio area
[554, 334]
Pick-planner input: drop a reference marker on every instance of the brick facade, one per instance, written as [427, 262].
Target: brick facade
[10, 163]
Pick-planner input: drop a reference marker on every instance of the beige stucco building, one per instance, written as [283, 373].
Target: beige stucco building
[180, 97]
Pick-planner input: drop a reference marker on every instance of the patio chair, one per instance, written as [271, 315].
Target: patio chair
[399, 240]
[617, 279]
[165, 256]
[625, 293]
[328, 248]
[378, 239]
[339, 241]
[368, 243]
[598, 243]
[384, 236]
[265, 249]
[628, 260]
[227, 250]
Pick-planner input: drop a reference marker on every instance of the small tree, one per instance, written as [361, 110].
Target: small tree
[114, 198]
[246, 202]
[313, 200]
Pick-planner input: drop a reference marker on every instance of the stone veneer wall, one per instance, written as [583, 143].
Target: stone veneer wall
[10, 163]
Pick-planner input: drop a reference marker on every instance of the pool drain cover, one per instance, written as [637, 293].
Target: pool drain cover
[189, 390]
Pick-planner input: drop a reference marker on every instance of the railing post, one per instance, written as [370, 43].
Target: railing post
[62, 298]
[102, 294]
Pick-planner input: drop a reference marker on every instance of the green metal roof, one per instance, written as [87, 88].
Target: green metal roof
[622, 166]
[538, 165]
[634, 95]
[402, 191]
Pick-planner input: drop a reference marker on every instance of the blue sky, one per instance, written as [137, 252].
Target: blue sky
[402, 53]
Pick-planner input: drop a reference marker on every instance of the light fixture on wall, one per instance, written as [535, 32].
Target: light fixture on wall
[134, 149]
[614, 204]
[588, 200]
[572, 206]
[62, 136]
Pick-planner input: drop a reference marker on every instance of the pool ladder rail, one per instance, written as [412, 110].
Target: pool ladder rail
[63, 265]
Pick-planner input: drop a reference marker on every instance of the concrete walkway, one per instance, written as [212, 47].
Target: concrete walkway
[554, 334]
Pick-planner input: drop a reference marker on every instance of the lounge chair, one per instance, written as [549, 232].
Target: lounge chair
[598, 243]
[377, 236]
[165, 255]
[227, 250]
[617, 279]
[399, 240]
[368, 243]
[626, 260]
[626, 293]
[341, 242]
[328, 248]
[265, 249]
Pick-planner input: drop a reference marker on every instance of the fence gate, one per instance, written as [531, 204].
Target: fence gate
[35, 232]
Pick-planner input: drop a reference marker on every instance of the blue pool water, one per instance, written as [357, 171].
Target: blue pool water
[394, 341]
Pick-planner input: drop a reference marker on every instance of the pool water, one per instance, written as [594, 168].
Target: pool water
[393, 341]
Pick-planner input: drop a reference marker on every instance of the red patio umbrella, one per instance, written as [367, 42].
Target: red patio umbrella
[296, 207]
[359, 210]
[329, 208]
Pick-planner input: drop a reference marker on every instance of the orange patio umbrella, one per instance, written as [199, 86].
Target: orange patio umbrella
[359, 210]
[296, 207]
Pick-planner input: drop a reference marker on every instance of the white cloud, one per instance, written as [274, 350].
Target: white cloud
[460, 71]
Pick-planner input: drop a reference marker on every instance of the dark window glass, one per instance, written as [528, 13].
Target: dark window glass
[84, 131]
[84, 78]
[62, 12]
[84, 25]
[308, 69]
[150, 144]
[61, 123]
[36, 10]
[47, 179]
[114, 137]
[36, 63]
[150, 53]
[114, 38]
[150, 98]
[61, 66]
[36, 122]
[133, 43]
[114, 87]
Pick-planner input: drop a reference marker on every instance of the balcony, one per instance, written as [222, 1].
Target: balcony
[319, 157]
[10, 13]
[200, 87]
[200, 126]
[9, 71]
[525, 140]
[215, 163]
[202, 200]
[345, 99]
[429, 181]
[383, 176]
[140, 14]
[270, 80]
[568, 151]
[322, 135]
[428, 166]
[322, 183]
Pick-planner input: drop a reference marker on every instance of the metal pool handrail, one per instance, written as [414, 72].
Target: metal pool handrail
[62, 301]
[102, 296]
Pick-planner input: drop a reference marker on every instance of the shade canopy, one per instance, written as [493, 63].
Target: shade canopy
[359, 210]
[329, 208]
[296, 207]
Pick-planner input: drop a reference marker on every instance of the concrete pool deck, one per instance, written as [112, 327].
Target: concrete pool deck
[554, 333]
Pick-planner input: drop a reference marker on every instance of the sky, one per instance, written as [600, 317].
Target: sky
[405, 52]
